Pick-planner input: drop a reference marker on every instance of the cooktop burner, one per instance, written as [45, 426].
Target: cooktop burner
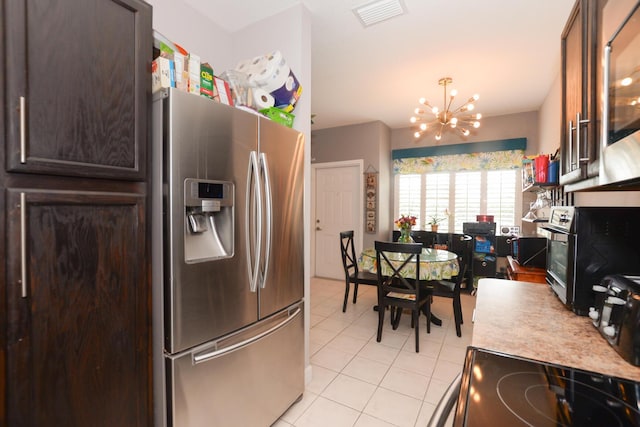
[501, 390]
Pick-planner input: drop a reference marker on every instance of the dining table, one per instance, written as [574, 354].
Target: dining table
[435, 264]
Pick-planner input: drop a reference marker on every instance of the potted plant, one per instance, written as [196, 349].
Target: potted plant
[433, 222]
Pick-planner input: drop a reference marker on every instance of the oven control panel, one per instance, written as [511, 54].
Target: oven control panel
[561, 217]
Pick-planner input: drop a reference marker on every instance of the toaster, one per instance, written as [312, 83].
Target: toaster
[616, 314]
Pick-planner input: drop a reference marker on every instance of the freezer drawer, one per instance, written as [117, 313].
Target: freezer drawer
[247, 379]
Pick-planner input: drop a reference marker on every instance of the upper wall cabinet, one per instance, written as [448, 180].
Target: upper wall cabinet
[581, 72]
[76, 91]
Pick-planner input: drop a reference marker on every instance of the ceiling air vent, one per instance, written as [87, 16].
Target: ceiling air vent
[378, 11]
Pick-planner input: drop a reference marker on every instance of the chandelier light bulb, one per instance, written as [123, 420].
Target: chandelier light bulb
[454, 121]
[438, 137]
[476, 97]
[476, 124]
[435, 110]
[454, 93]
[423, 126]
[422, 101]
[417, 111]
[465, 132]
[626, 81]
[478, 116]
[470, 107]
[417, 135]
[413, 119]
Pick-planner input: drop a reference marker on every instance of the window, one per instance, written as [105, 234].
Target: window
[464, 194]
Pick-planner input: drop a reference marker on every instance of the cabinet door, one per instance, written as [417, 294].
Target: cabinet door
[78, 86]
[580, 71]
[78, 309]
[573, 56]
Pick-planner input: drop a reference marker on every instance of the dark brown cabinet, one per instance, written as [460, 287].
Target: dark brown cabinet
[77, 335]
[76, 91]
[75, 305]
[581, 71]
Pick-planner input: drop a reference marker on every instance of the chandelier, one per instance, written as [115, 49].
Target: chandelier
[448, 117]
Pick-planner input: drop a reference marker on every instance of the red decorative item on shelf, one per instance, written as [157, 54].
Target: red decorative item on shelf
[542, 168]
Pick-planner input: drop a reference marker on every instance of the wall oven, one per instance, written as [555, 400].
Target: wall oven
[584, 244]
[620, 142]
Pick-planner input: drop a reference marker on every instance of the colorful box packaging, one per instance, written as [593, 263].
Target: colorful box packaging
[279, 116]
[206, 80]
[224, 92]
[162, 73]
[194, 74]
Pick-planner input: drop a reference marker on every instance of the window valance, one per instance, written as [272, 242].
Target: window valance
[502, 154]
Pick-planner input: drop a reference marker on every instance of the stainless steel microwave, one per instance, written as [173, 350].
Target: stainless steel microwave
[620, 138]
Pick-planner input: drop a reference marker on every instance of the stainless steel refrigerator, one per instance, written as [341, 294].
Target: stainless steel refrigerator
[227, 221]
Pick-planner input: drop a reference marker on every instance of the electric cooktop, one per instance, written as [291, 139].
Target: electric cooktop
[503, 390]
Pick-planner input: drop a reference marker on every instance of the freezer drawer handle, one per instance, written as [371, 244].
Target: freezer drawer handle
[209, 355]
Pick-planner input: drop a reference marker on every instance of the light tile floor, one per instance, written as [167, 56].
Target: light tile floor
[359, 382]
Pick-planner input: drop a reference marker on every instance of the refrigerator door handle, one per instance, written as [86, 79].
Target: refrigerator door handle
[207, 356]
[269, 211]
[253, 214]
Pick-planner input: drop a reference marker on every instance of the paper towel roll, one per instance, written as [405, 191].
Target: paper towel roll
[262, 99]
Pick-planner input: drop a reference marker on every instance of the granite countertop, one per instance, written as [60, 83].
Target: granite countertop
[528, 320]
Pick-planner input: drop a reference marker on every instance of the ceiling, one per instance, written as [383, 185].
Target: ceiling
[508, 51]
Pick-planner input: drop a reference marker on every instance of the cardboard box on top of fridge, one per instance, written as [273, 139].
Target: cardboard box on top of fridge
[206, 81]
[194, 74]
[162, 73]
[180, 56]
[224, 92]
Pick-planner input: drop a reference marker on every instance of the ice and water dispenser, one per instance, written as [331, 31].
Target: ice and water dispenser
[209, 220]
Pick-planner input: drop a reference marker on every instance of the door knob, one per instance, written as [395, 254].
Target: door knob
[318, 229]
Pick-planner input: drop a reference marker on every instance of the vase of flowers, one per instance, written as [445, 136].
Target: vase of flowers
[404, 224]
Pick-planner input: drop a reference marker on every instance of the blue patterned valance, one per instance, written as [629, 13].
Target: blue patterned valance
[503, 154]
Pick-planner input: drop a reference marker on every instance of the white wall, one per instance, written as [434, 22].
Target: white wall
[182, 24]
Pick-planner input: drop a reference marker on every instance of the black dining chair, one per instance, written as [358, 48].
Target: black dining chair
[351, 272]
[451, 289]
[397, 291]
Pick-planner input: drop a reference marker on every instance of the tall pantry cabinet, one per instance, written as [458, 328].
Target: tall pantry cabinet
[75, 313]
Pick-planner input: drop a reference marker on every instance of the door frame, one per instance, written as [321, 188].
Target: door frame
[360, 225]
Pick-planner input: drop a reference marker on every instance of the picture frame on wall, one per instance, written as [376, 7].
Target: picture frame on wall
[371, 195]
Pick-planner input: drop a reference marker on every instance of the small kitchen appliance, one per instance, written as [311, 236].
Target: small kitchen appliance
[530, 251]
[616, 314]
[584, 244]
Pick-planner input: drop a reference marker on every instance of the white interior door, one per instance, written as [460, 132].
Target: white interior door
[338, 207]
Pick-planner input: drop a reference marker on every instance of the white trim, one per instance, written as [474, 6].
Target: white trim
[330, 165]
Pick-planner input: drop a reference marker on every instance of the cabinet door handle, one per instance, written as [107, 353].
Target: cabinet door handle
[23, 130]
[571, 162]
[579, 123]
[23, 243]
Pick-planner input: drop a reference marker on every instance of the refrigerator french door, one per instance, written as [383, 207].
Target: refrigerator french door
[228, 189]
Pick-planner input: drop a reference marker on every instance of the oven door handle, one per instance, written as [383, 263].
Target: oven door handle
[446, 404]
